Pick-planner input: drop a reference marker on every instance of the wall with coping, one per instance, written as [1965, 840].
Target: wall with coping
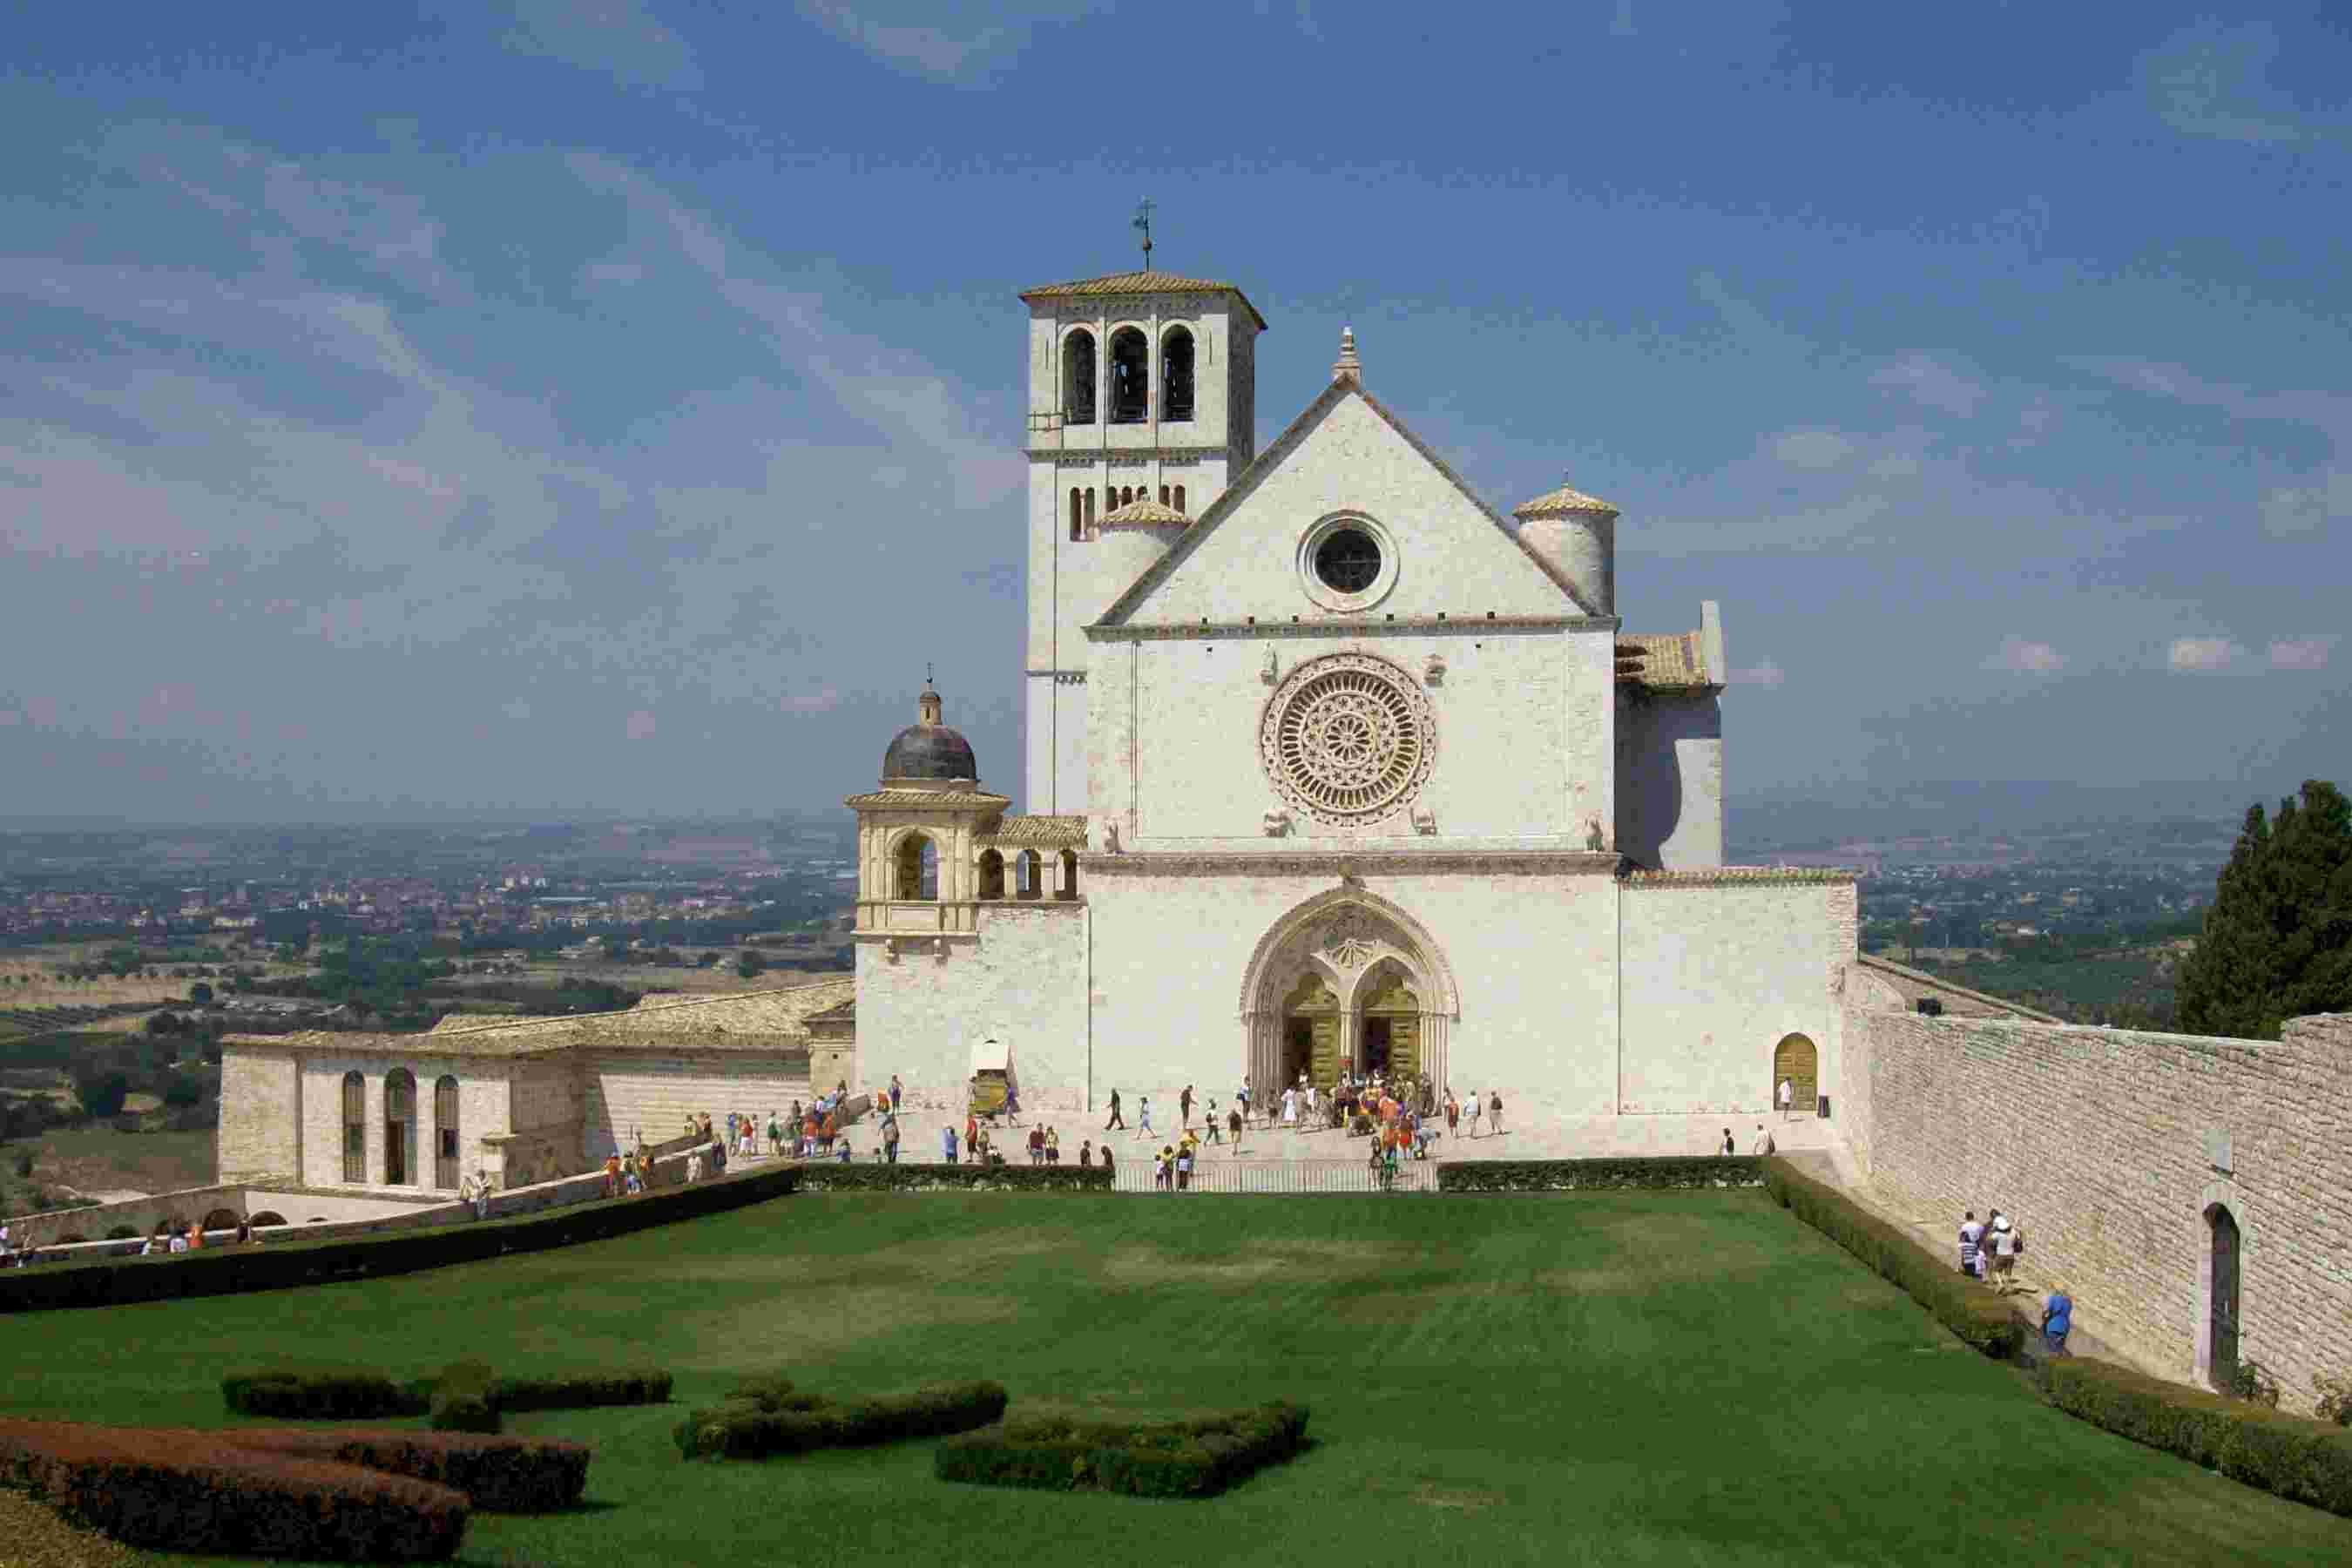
[1670, 778]
[649, 1091]
[2112, 1146]
[1022, 980]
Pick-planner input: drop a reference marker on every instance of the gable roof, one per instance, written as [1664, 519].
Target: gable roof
[1265, 462]
[1664, 661]
[1140, 283]
[1143, 508]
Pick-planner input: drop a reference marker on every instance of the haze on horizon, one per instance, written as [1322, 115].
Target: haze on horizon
[530, 410]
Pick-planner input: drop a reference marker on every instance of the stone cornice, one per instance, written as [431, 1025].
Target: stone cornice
[1744, 877]
[1349, 862]
[1083, 456]
[1325, 627]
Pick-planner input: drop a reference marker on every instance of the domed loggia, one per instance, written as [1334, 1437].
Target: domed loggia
[927, 754]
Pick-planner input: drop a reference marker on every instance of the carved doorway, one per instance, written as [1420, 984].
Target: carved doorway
[2221, 1327]
[1310, 1033]
[1391, 1026]
[1797, 1063]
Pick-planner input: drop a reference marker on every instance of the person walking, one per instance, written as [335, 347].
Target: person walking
[1787, 1094]
[1971, 1243]
[947, 1142]
[2057, 1318]
[1116, 1120]
[1233, 1120]
[1185, 1108]
[1216, 1127]
[1495, 1110]
[1452, 1113]
[1763, 1142]
[2006, 1238]
[1086, 1153]
[1143, 1117]
[1729, 1149]
[897, 1091]
[891, 1138]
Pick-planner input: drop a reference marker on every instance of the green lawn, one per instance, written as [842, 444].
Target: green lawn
[1605, 1378]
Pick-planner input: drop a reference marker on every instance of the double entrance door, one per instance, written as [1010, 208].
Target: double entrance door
[1320, 1038]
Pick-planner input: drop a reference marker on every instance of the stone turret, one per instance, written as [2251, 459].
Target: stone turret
[1574, 537]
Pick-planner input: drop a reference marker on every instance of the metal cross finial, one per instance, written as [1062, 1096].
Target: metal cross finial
[1143, 222]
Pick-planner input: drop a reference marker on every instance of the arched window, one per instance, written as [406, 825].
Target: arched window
[1176, 375]
[1077, 516]
[918, 869]
[267, 1217]
[399, 1128]
[1163, 495]
[1078, 378]
[1030, 873]
[1796, 1063]
[992, 874]
[1130, 377]
[221, 1219]
[1069, 888]
[1090, 505]
[1180, 499]
[444, 1132]
[354, 1127]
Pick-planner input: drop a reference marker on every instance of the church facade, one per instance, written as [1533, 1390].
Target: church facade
[1329, 766]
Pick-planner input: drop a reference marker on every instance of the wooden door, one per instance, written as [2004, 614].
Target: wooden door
[2223, 1361]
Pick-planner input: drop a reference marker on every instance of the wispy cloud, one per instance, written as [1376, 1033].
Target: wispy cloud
[2019, 655]
[2324, 503]
[621, 38]
[2214, 79]
[1810, 449]
[1932, 384]
[963, 47]
[2199, 655]
[1765, 673]
[2304, 653]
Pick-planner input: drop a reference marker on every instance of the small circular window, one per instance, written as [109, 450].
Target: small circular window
[1348, 560]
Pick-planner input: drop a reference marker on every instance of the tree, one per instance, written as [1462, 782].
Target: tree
[102, 1094]
[752, 961]
[182, 1092]
[2277, 942]
[200, 993]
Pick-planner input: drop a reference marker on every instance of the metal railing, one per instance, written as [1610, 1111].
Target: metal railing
[1220, 1175]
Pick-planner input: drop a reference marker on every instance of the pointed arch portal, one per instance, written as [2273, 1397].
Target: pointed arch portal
[1346, 980]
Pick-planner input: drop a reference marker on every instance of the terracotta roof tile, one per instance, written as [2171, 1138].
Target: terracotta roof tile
[959, 798]
[1141, 283]
[1038, 832]
[747, 1020]
[1664, 661]
[1143, 508]
[1563, 502]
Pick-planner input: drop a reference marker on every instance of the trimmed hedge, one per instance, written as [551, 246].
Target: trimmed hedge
[1971, 1312]
[320, 1394]
[282, 1265]
[1578, 1175]
[1165, 1459]
[2309, 1461]
[581, 1391]
[500, 1475]
[748, 1428]
[187, 1491]
[819, 1177]
[461, 1398]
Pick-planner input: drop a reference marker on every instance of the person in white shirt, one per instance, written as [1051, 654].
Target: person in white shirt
[1788, 1095]
[2004, 1253]
[179, 1241]
[1971, 1238]
[1764, 1144]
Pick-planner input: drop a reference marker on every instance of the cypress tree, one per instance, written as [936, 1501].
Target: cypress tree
[2277, 942]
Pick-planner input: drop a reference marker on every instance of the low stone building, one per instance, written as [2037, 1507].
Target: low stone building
[516, 1099]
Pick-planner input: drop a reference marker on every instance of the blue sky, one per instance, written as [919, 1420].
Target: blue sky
[551, 407]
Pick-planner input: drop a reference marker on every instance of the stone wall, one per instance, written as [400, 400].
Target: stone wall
[1023, 981]
[1670, 778]
[651, 1091]
[260, 1116]
[2112, 1147]
[1717, 970]
[482, 1108]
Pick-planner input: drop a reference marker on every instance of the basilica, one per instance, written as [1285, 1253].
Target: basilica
[1327, 765]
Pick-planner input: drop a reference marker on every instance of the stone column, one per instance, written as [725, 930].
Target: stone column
[1433, 1050]
[1263, 1031]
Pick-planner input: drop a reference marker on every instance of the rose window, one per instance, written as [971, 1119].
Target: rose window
[1348, 737]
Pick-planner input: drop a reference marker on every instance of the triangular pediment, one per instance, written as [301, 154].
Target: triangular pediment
[1345, 454]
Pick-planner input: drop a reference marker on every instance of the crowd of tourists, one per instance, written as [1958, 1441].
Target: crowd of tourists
[1988, 1253]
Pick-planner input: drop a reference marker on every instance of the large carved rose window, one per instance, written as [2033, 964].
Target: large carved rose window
[1349, 739]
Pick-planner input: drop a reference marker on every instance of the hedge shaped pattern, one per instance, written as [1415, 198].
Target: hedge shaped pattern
[320, 1394]
[2309, 1461]
[1578, 1175]
[498, 1474]
[1978, 1317]
[461, 1398]
[1168, 1459]
[746, 1428]
[585, 1391]
[818, 1177]
[282, 1265]
[185, 1492]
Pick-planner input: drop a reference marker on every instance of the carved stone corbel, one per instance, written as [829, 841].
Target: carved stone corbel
[1434, 672]
[1277, 822]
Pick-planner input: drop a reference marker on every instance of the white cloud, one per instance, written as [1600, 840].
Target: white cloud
[978, 36]
[2309, 508]
[621, 38]
[1767, 674]
[2017, 656]
[1810, 449]
[2199, 655]
[2303, 653]
[1931, 382]
[2212, 79]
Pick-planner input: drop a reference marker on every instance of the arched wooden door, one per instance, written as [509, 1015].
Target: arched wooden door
[1391, 1026]
[2221, 1357]
[1797, 1063]
[1311, 1035]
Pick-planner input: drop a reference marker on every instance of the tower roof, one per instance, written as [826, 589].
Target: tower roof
[928, 752]
[1143, 508]
[1563, 502]
[1141, 283]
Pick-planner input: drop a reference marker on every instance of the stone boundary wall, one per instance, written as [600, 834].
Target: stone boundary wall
[2111, 1146]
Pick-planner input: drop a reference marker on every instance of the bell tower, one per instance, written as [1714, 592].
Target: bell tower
[1143, 389]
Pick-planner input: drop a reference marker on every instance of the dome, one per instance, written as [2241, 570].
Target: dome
[928, 752]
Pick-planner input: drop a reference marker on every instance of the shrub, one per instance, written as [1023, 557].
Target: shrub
[500, 1475]
[461, 1398]
[187, 1491]
[1978, 1317]
[318, 1394]
[1573, 1175]
[2334, 1396]
[581, 1391]
[2309, 1461]
[1168, 1459]
[821, 1177]
[2252, 1380]
[114, 1281]
[742, 1429]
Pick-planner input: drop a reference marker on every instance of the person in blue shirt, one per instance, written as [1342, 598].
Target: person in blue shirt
[2057, 1318]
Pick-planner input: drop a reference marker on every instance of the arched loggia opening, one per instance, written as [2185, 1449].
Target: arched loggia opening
[915, 872]
[399, 1128]
[1130, 377]
[1176, 375]
[1078, 378]
[992, 874]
